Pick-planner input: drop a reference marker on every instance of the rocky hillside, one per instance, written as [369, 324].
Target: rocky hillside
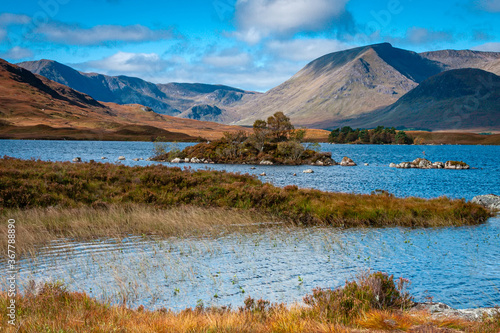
[467, 99]
[342, 85]
[170, 99]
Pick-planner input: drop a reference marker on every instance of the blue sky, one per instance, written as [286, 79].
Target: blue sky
[250, 44]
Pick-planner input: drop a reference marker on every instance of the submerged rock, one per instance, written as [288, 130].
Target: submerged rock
[308, 171]
[346, 161]
[490, 201]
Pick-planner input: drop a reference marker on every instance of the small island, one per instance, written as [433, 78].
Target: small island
[274, 141]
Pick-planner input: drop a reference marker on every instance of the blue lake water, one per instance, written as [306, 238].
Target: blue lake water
[459, 266]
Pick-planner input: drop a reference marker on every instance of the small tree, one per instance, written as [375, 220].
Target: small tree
[279, 126]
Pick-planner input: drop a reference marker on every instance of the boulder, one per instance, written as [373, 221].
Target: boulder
[104, 158]
[308, 171]
[195, 160]
[135, 159]
[264, 162]
[121, 158]
[295, 175]
[253, 168]
[404, 165]
[263, 174]
[393, 165]
[149, 159]
[346, 161]
[186, 160]
[176, 160]
[437, 165]
[456, 165]
[422, 163]
[319, 163]
[77, 159]
[366, 164]
[490, 201]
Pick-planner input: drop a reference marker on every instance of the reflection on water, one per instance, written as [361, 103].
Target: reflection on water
[459, 266]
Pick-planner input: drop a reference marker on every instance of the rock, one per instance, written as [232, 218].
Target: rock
[146, 109]
[329, 161]
[176, 160]
[135, 159]
[186, 160]
[253, 168]
[77, 159]
[295, 175]
[441, 310]
[195, 160]
[121, 158]
[141, 159]
[149, 159]
[422, 163]
[263, 174]
[366, 164]
[456, 165]
[319, 163]
[346, 161]
[308, 171]
[393, 165]
[404, 165]
[104, 158]
[264, 162]
[490, 201]
[437, 165]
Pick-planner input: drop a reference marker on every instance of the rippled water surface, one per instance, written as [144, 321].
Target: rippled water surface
[459, 266]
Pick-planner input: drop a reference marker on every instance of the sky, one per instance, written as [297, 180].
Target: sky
[249, 44]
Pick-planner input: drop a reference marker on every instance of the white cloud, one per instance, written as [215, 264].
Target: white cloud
[417, 35]
[230, 58]
[490, 5]
[17, 53]
[257, 19]
[305, 49]
[488, 47]
[101, 34]
[10, 19]
[140, 64]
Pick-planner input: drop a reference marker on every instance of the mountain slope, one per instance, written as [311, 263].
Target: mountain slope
[467, 99]
[171, 98]
[456, 59]
[32, 106]
[342, 85]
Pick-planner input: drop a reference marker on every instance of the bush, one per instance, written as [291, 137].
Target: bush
[347, 303]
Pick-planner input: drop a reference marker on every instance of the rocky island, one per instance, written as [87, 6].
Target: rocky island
[274, 141]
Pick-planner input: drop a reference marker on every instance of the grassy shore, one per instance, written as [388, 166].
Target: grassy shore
[373, 303]
[33, 184]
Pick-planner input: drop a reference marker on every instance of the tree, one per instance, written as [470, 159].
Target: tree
[260, 134]
[279, 126]
[403, 139]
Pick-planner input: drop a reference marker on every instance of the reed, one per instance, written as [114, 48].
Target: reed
[40, 226]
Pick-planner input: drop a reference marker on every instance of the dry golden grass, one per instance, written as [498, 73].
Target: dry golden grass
[40, 226]
[53, 309]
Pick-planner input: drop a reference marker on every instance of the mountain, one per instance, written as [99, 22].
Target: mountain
[342, 85]
[170, 99]
[465, 99]
[32, 106]
[456, 59]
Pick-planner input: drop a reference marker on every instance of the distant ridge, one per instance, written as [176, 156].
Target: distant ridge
[170, 98]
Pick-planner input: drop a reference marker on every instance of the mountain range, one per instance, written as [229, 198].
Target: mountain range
[32, 106]
[365, 86]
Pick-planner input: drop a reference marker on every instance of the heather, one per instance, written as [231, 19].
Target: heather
[37, 184]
